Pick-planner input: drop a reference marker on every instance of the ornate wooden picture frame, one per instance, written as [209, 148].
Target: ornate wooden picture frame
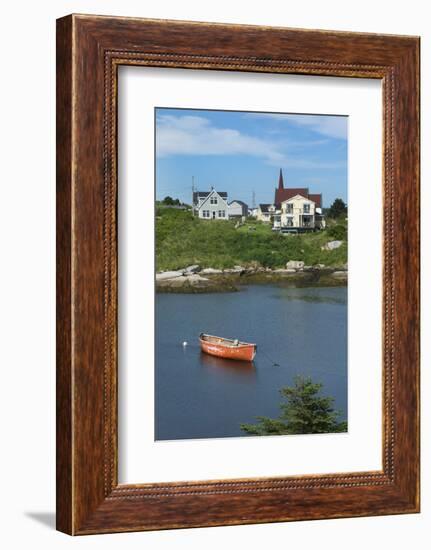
[89, 51]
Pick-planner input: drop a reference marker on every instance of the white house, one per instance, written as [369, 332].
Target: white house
[211, 205]
[299, 209]
[268, 213]
[302, 213]
[238, 209]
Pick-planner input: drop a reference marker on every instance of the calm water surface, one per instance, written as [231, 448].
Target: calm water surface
[304, 330]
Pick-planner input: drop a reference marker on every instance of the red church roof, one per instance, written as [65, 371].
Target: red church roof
[317, 199]
[283, 194]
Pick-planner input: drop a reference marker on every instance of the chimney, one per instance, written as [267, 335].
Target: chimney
[280, 180]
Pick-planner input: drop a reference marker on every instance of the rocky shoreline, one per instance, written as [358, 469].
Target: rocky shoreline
[194, 279]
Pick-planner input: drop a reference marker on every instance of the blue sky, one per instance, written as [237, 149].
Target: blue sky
[239, 152]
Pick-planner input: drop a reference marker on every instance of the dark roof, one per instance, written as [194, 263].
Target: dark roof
[317, 198]
[239, 202]
[286, 194]
[282, 194]
[202, 194]
[264, 207]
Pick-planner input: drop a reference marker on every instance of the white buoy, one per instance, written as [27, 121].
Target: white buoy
[184, 344]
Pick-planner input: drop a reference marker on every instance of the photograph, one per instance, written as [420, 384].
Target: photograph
[212, 315]
[251, 255]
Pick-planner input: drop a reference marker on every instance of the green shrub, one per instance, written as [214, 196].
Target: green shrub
[182, 240]
[337, 232]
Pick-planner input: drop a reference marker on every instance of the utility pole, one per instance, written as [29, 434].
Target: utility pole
[253, 200]
[193, 193]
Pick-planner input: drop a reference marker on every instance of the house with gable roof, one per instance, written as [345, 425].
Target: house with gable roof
[297, 209]
[266, 213]
[211, 205]
[238, 209]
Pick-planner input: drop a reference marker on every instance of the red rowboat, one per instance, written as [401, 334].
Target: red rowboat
[227, 348]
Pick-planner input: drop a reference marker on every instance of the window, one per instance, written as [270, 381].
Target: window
[205, 213]
[289, 208]
[213, 200]
[306, 208]
[221, 214]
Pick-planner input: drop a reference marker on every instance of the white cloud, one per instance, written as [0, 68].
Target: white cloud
[195, 135]
[331, 126]
[326, 125]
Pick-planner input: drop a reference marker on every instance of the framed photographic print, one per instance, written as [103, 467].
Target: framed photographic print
[237, 276]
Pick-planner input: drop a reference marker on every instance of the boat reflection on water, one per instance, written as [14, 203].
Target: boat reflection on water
[229, 367]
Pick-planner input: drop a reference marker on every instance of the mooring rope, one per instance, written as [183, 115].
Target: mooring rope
[274, 363]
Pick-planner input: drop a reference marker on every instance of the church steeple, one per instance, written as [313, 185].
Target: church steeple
[280, 180]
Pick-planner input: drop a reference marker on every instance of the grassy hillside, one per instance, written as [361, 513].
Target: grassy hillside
[183, 240]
